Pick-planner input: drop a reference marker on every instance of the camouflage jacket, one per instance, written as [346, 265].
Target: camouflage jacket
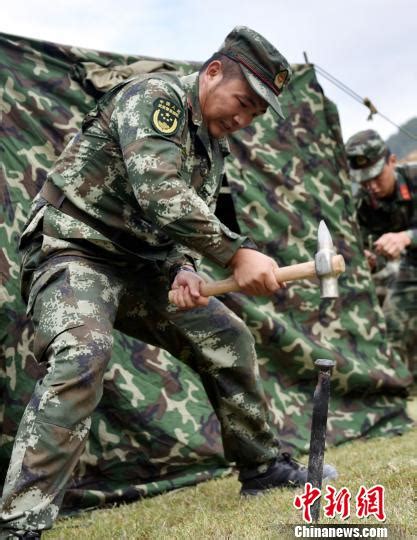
[144, 167]
[394, 214]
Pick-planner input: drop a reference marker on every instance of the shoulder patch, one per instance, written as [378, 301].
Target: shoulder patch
[166, 116]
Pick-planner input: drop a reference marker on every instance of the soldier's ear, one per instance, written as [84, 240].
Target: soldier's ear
[214, 69]
[392, 159]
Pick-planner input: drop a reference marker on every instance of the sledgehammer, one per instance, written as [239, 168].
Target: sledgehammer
[326, 266]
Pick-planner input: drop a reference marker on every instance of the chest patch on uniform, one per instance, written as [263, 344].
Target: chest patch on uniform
[166, 116]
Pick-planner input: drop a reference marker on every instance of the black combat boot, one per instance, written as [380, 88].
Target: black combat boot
[282, 472]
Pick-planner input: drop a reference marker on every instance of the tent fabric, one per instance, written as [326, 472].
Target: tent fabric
[154, 429]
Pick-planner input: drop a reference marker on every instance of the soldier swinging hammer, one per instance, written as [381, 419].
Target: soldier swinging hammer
[123, 217]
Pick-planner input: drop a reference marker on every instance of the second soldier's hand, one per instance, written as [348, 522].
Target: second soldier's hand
[254, 272]
[392, 244]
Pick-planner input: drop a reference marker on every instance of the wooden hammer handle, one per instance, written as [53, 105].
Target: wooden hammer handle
[286, 273]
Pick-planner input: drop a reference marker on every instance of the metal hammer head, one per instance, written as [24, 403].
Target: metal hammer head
[328, 264]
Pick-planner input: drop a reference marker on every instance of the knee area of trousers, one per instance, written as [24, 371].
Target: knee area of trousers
[85, 347]
[77, 363]
[234, 341]
[238, 330]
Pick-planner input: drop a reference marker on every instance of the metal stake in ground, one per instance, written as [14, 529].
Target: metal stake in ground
[318, 429]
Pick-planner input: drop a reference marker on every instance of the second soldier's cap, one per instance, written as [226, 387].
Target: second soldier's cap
[265, 68]
[366, 152]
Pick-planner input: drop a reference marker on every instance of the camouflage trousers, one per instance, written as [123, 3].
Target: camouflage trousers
[400, 309]
[75, 303]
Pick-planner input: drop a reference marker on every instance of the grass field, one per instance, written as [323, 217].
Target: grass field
[214, 510]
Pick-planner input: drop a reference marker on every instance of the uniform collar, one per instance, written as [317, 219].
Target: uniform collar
[190, 83]
[401, 186]
[191, 86]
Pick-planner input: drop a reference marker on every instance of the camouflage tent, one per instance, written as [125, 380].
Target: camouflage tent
[154, 429]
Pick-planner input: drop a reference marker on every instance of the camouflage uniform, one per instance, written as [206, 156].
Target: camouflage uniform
[130, 199]
[392, 214]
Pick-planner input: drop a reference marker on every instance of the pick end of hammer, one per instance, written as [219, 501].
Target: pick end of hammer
[324, 240]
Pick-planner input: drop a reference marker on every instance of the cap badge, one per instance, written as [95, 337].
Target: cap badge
[280, 78]
[361, 160]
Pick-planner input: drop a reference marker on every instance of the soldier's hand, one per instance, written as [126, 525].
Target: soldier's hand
[185, 290]
[254, 272]
[392, 244]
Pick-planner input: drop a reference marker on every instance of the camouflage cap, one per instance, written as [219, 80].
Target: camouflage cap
[265, 68]
[366, 153]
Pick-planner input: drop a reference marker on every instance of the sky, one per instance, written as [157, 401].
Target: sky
[369, 45]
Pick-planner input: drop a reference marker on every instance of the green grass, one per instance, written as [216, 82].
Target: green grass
[214, 510]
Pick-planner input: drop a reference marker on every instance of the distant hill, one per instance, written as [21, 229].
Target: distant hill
[401, 144]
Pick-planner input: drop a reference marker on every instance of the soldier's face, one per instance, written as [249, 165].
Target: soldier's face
[229, 105]
[383, 185]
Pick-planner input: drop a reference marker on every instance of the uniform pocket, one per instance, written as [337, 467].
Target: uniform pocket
[49, 294]
[40, 281]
